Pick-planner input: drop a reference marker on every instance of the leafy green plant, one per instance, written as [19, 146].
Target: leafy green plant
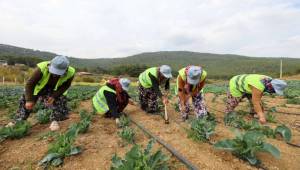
[271, 118]
[127, 134]
[272, 110]
[202, 129]
[79, 93]
[61, 147]
[247, 145]
[48, 135]
[284, 131]
[43, 116]
[295, 100]
[85, 121]
[124, 121]
[19, 130]
[254, 125]
[237, 121]
[38, 106]
[234, 120]
[292, 91]
[138, 159]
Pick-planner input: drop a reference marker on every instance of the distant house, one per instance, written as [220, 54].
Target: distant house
[84, 73]
[3, 63]
[20, 65]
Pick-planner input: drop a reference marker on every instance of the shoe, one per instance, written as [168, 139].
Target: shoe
[54, 126]
[11, 124]
[118, 123]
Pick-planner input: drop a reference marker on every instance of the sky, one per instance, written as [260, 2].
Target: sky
[119, 28]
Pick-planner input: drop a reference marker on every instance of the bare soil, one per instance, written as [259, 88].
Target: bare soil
[101, 141]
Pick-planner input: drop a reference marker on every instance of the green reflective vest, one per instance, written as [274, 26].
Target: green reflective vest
[43, 66]
[99, 100]
[182, 74]
[240, 84]
[144, 78]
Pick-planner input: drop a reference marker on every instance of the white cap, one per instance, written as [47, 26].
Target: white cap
[166, 71]
[124, 83]
[194, 75]
[59, 65]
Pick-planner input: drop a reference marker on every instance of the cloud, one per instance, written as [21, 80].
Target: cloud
[113, 28]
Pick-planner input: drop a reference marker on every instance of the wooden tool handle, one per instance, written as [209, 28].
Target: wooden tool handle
[166, 115]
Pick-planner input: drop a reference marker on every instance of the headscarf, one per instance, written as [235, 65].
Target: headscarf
[268, 86]
[118, 87]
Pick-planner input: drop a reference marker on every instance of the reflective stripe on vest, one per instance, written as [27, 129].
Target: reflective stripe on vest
[43, 66]
[144, 78]
[240, 83]
[99, 100]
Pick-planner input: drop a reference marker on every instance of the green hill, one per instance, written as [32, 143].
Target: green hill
[217, 65]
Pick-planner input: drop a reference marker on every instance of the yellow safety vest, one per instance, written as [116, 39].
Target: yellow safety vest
[240, 84]
[99, 100]
[43, 66]
[144, 78]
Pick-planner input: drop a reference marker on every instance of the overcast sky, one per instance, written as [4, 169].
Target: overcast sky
[118, 28]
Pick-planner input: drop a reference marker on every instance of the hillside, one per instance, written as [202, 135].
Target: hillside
[9, 50]
[217, 65]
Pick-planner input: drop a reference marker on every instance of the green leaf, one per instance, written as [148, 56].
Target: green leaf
[127, 134]
[124, 121]
[116, 161]
[284, 131]
[252, 160]
[43, 116]
[56, 162]
[226, 144]
[202, 128]
[246, 146]
[19, 130]
[136, 159]
[271, 149]
[149, 146]
[48, 158]
[75, 151]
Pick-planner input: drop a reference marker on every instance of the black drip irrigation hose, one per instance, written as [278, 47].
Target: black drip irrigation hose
[292, 144]
[167, 146]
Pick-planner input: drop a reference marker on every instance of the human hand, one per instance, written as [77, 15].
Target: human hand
[262, 120]
[29, 105]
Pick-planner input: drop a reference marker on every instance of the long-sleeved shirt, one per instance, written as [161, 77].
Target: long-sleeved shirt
[183, 94]
[113, 105]
[36, 77]
[155, 85]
